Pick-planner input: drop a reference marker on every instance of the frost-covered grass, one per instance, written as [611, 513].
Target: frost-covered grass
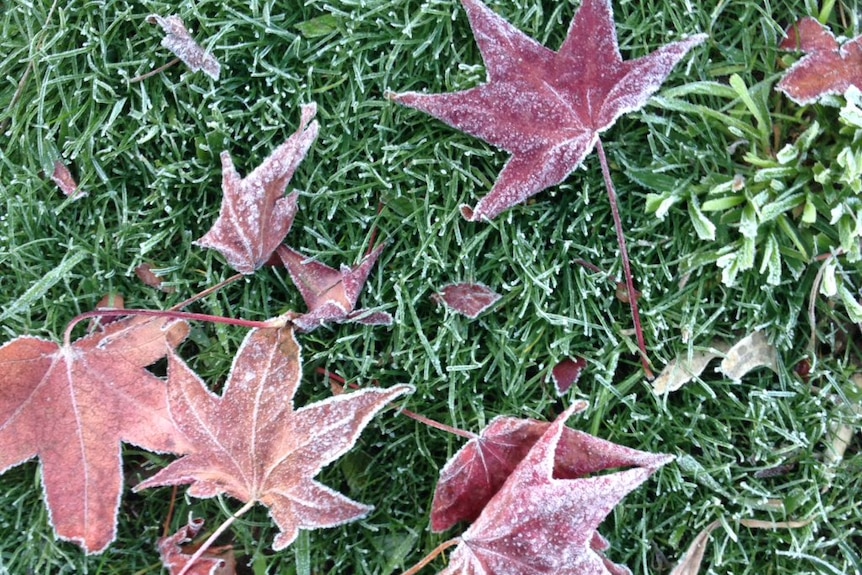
[147, 154]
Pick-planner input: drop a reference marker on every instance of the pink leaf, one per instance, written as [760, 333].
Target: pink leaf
[546, 108]
[64, 180]
[567, 373]
[470, 299]
[827, 68]
[544, 517]
[330, 294]
[255, 215]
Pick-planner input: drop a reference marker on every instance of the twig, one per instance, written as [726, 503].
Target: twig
[627, 270]
[184, 315]
[430, 557]
[406, 412]
[151, 73]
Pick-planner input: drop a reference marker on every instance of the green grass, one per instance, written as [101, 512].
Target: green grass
[147, 154]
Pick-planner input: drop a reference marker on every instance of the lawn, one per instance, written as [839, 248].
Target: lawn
[147, 155]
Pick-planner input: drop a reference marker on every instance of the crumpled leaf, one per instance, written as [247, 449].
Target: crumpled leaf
[252, 444]
[546, 513]
[176, 550]
[567, 373]
[827, 67]
[751, 352]
[546, 108]
[72, 407]
[683, 369]
[330, 294]
[255, 215]
[469, 299]
[178, 40]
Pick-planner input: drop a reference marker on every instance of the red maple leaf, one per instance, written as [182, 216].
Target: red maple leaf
[253, 445]
[546, 108]
[72, 407]
[255, 215]
[543, 519]
[827, 68]
[330, 294]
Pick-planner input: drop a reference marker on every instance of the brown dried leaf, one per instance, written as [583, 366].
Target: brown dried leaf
[751, 352]
[176, 550]
[73, 406]
[255, 215]
[684, 368]
[148, 277]
[178, 40]
[252, 444]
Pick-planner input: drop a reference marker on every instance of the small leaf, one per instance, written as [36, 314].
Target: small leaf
[255, 216]
[749, 353]
[64, 180]
[469, 299]
[178, 40]
[176, 550]
[318, 26]
[827, 67]
[567, 373]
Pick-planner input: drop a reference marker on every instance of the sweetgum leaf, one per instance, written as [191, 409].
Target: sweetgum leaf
[330, 294]
[253, 445]
[827, 67]
[255, 215]
[544, 517]
[72, 407]
[546, 108]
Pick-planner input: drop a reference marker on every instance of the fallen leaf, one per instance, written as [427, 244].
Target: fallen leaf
[546, 108]
[148, 277]
[692, 559]
[827, 67]
[255, 215]
[749, 353]
[178, 40]
[685, 368]
[546, 513]
[690, 562]
[72, 407]
[253, 445]
[64, 180]
[330, 294]
[567, 373]
[176, 550]
[469, 299]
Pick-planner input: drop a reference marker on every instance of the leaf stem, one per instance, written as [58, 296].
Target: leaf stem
[215, 535]
[183, 315]
[151, 73]
[431, 556]
[627, 270]
[207, 292]
[406, 412]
